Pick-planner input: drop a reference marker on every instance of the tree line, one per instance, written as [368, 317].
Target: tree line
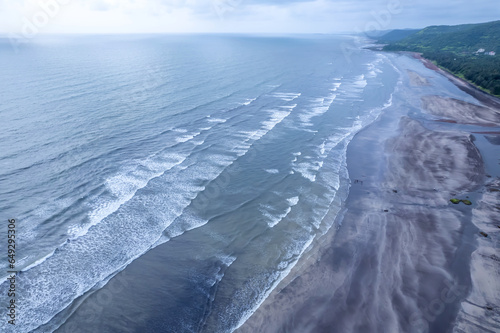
[482, 70]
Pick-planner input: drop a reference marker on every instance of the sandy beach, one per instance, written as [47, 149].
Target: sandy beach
[404, 258]
[461, 112]
[479, 311]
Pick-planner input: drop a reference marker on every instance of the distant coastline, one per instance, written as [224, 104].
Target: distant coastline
[464, 85]
[470, 52]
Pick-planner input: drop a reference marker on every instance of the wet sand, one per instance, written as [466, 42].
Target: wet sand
[461, 112]
[463, 85]
[401, 259]
[480, 310]
[417, 80]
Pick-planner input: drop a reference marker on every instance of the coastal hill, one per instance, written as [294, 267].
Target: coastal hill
[397, 35]
[470, 51]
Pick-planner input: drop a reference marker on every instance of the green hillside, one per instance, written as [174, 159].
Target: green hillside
[455, 49]
[397, 35]
[466, 38]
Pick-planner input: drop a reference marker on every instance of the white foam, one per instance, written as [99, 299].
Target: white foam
[123, 186]
[90, 270]
[164, 211]
[272, 171]
[226, 261]
[198, 142]
[274, 218]
[276, 278]
[293, 201]
[336, 86]
[186, 221]
[188, 137]
[373, 67]
[216, 120]
[39, 261]
[360, 81]
[289, 107]
[249, 101]
[353, 89]
[309, 166]
[132, 244]
[319, 106]
[307, 170]
[288, 97]
[322, 148]
[295, 156]
[276, 118]
[267, 214]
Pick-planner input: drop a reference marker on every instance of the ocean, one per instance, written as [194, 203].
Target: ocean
[201, 166]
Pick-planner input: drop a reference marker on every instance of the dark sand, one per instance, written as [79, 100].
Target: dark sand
[480, 310]
[405, 259]
[461, 112]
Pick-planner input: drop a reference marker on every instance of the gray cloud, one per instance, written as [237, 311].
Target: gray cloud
[258, 15]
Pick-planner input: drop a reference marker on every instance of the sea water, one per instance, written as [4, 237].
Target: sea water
[225, 151]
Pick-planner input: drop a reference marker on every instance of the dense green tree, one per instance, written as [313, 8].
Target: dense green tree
[455, 49]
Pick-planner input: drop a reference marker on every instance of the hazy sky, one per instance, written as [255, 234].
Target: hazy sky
[273, 16]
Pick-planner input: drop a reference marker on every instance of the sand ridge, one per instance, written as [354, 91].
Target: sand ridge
[481, 309]
[461, 112]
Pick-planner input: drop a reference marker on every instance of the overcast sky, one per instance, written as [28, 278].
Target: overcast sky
[260, 16]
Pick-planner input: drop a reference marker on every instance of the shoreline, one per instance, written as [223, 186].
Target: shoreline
[401, 226]
[396, 247]
[482, 96]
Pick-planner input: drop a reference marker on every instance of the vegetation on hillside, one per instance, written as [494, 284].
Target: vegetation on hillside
[397, 35]
[470, 51]
[482, 70]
